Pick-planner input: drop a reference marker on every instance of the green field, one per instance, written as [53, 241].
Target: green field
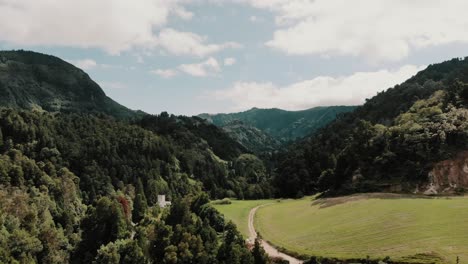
[411, 229]
[238, 212]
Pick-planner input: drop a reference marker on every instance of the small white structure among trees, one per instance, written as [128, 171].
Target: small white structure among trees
[162, 201]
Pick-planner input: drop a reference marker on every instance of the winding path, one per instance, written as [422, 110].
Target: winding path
[269, 249]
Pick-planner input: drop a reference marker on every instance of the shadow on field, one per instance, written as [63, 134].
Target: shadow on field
[327, 202]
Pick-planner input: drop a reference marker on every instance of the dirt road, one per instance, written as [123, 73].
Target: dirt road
[269, 249]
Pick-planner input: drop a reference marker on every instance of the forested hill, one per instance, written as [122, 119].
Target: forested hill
[78, 185]
[282, 125]
[30, 80]
[410, 138]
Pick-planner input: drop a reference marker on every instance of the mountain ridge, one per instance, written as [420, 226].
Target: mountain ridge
[282, 125]
[31, 80]
[403, 139]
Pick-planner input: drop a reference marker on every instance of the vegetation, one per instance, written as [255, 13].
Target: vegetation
[80, 186]
[408, 229]
[278, 126]
[80, 174]
[238, 212]
[251, 137]
[30, 80]
[388, 144]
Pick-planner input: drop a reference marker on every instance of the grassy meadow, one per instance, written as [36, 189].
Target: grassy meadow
[238, 212]
[410, 229]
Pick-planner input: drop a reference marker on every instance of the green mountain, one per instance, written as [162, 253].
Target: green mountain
[282, 125]
[251, 137]
[30, 80]
[411, 138]
[78, 185]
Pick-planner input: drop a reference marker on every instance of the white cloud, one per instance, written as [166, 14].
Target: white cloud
[84, 64]
[203, 69]
[112, 25]
[182, 13]
[165, 73]
[378, 30]
[319, 91]
[229, 61]
[188, 43]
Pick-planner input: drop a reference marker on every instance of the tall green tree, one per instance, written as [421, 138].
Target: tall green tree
[259, 254]
[101, 225]
[139, 208]
[1, 140]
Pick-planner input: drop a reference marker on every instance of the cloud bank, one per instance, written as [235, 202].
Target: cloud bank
[111, 25]
[378, 30]
[319, 91]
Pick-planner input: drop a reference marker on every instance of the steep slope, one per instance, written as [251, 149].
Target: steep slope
[77, 183]
[30, 80]
[58, 91]
[251, 137]
[394, 142]
[281, 124]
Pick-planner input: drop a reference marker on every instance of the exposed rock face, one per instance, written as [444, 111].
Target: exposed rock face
[448, 175]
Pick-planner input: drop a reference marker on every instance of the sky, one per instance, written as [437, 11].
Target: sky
[213, 56]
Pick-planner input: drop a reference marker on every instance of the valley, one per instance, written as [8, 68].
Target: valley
[402, 227]
[385, 181]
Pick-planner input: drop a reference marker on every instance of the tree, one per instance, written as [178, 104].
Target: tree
[1, 140]
[139, 208]
[260, 257]
[101, 225]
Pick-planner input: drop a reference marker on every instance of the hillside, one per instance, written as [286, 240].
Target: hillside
[30, 80]
[409, 138]
[78, 185]
[282, 125]
[251, 137]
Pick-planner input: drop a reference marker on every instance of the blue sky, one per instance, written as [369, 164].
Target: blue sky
[194, 56]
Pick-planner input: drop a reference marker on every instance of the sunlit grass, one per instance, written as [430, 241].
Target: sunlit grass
[411, 229]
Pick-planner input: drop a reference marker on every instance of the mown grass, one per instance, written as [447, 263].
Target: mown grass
[413, 230]
[238, 212]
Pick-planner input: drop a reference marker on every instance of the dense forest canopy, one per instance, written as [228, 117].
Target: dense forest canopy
[281, 125]
[390, 143]
[80, 183]
[80, 175]
[30, 80]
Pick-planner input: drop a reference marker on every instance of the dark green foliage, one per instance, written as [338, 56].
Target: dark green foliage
[54, 166]
[282, 125]
[259, 254]
[140, 208]
[1, 139]
[232, 251]
[121, 251]
[251, 137]
[187, 131]
[388, 144]
[201, 147]
[69, 177]
[31, 80]
[101, 225]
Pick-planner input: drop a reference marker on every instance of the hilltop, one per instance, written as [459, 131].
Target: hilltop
[410, 138]
[266, 129]
[30, 80]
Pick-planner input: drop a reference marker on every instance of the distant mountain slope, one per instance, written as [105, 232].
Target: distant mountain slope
[281, 124]
[251, 137]
[201, 150]
[30, 80]
[411, 138]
